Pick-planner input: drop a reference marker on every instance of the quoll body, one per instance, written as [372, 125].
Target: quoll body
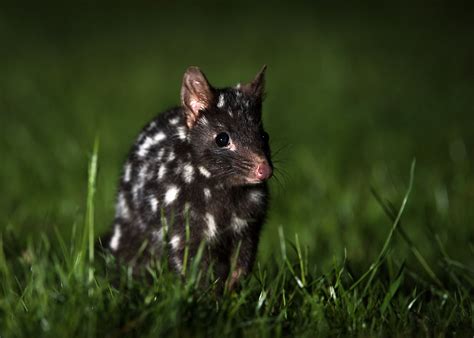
[204, 167]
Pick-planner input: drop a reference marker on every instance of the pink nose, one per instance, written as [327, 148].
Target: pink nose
[263, 171]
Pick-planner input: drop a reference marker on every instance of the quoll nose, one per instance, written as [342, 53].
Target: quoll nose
[263, 171]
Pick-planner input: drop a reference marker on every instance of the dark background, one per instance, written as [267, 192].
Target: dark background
[354, 95]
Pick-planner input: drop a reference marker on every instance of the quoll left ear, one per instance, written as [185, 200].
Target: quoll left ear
[257, 86]
[196, 94]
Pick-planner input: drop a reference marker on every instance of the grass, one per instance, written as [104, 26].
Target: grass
[358, 242]
[60, 293]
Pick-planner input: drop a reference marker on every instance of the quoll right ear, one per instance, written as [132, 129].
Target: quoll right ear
[196, 94]
[257, 86]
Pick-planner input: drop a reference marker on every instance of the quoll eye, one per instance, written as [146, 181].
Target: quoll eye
[222, 139]
[265, 136]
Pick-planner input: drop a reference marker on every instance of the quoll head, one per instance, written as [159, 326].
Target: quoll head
[226, 129]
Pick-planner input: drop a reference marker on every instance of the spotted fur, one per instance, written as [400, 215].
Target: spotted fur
[176, 175]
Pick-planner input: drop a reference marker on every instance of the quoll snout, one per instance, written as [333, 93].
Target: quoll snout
[263, 171]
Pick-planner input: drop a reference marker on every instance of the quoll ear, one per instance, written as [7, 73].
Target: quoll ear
[257, 86]
[196, 94]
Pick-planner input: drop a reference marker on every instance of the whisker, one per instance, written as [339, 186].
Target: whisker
[279, 150]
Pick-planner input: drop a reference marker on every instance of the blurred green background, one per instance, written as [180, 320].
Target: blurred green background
[354, 94]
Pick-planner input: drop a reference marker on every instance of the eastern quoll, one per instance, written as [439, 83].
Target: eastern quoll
[202, 166]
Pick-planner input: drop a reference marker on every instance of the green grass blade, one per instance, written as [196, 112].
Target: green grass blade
[390, 211]
[89, 233]
[391, 291]
[386, 245]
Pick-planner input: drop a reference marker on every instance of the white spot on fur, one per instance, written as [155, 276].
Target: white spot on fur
[174, 121]
[114, 242]
[171, 194]
[160, 154]
[211, 226]
[188, 173]
[221, 101]
[135, 191]
[171, 156]
[159, 137]
[127, 172]
[175, 242]
[178, 263]
[149, 142]
[204, 172]
[237, 86]
[138, 187]
[143, 150]
[238, 224]
[158, 235]
[122, 208]
[161, 172]
[207, 193]
[154, 204]
[142, 174]
[256, 196]
[181, 133]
